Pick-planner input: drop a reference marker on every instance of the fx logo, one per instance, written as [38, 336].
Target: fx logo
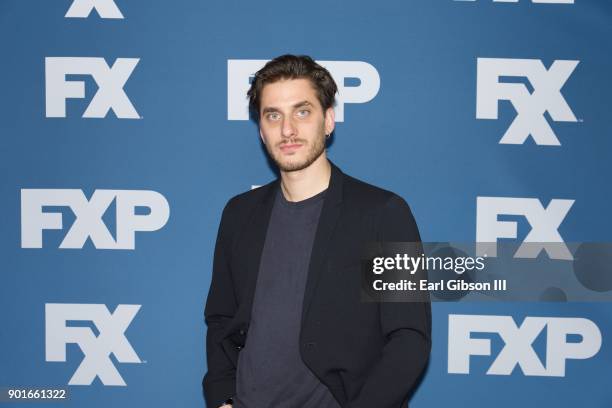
[518, 341]
[89, 223]
[82, 9]
[110, 81]
[240, 72]
[97, 349]
[530, 106]
[544, 222]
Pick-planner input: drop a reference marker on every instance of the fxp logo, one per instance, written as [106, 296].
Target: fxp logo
[518, 340]
[494, 84]
[89, 223]
[240, 72]
[97, 349]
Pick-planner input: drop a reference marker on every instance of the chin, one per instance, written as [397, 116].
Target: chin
[292, 165]
[296, 162]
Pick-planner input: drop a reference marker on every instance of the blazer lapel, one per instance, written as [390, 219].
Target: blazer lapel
[325, 228]
[254, 239]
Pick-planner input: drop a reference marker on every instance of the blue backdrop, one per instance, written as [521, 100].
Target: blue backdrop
[140, 102]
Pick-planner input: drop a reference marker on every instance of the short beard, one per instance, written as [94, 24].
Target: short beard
[315, 151]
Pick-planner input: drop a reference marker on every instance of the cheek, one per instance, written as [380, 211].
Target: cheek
[266, 132]
[270, 128]
[313, 127]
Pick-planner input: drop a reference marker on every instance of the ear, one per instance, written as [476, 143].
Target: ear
[263, 140]
[330, 121]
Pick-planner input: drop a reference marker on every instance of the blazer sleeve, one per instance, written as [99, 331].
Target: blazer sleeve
[219, 382]
[405, 325]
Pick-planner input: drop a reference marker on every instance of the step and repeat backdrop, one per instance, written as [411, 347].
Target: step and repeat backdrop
[124, 131]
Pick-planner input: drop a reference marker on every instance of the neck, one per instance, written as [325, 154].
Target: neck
[302, 184]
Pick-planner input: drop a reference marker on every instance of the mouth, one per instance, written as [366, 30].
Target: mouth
[290, 147]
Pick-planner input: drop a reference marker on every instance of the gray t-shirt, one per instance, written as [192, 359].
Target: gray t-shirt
[270, 371]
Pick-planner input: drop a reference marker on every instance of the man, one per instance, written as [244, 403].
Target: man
[286, 326]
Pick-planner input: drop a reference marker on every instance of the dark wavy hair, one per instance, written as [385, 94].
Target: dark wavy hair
[292, 67]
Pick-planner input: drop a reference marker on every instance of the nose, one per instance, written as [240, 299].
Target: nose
[288, 128]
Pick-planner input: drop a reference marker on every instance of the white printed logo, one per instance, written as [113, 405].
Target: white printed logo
[97, 349]
[544, 222]
[530, 107]
[110, 81]
[89, 223]
[239, 73]
[82, 9]
[518, 343]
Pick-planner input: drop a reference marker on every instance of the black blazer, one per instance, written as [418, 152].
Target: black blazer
[370, 355]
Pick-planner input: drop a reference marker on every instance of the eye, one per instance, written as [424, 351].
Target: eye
[273, 116]
[303, 113]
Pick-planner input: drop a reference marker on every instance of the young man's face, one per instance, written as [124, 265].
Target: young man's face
[292, 123]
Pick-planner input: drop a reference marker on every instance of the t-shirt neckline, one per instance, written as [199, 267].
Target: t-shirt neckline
[302, 203]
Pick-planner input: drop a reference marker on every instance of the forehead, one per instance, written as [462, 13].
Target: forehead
[287, 92]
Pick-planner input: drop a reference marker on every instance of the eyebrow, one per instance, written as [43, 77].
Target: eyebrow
[295, 106]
